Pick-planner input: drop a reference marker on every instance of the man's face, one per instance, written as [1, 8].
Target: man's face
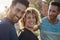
[52, 12]
[17, 12]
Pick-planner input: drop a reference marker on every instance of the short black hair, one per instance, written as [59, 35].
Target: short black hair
[56, 4]
[24, 2]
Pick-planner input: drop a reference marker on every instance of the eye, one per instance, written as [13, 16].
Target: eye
[17, 10]
[29, 17]
[33, 17]
[54, 11]
[23, 12]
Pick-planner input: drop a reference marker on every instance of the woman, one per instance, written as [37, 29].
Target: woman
[30, 21]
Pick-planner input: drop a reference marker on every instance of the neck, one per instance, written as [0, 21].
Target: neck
[53, 21]
[29, 29]
[9, 18]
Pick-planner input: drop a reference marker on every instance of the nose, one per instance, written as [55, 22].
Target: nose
[18, 14]
[32, 19]
[51, 13]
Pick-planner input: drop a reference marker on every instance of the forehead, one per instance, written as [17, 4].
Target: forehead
[53, 7]
[20, 6]
[31, 14]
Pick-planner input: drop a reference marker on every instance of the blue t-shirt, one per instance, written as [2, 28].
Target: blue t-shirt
[7, 30]
[49, 31]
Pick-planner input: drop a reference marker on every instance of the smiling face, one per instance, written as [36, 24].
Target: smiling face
[17, 11]
[30, 20]
[53, 12]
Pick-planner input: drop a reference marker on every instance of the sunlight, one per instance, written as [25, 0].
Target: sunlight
[4, 3]
[43, 0]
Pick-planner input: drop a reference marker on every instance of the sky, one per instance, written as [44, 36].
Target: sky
[4, 3]
[43, 0]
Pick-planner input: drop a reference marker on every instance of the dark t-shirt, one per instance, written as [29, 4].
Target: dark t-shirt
[7, 30]
[27, 35]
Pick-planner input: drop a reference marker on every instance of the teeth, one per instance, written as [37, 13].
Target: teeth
[31, 23]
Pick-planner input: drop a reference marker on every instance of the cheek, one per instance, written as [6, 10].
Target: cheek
[35, 21]
[18, 14]
[26, 21]
[13, 12]
[55, 14]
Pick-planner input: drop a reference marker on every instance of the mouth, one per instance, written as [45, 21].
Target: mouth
[31, 23]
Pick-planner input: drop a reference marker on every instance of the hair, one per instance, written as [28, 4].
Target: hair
[32, 11]
[56, 4]
[24, 2]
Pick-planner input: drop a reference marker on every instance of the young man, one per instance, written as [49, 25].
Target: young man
[15, 12]
[50, 26]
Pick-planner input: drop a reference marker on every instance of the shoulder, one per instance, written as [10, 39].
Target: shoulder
[44, 22]
[3, 21]
[22, 35]
[58, 21]
[4, 24]
[24, 32]
[44, 19]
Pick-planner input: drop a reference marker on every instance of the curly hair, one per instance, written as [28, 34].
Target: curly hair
[32, 11]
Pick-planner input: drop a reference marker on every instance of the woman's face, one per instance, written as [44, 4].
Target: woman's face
[30, 20]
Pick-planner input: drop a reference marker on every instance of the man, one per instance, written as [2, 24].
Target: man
[15, 12]
[50, 26]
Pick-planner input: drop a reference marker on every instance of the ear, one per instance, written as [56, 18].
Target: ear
[59, 11]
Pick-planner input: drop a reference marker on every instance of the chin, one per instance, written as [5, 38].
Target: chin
[16, 22]
[31, 26]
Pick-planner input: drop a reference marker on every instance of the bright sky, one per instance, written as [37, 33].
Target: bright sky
[43, 0]
[4, 3]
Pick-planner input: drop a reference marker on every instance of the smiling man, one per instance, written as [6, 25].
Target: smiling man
[14, 14]
[50, 26]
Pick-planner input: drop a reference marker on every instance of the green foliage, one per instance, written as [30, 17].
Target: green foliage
[32, 0]
[48, 1]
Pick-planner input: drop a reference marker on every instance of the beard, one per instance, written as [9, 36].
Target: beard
[53, 17]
